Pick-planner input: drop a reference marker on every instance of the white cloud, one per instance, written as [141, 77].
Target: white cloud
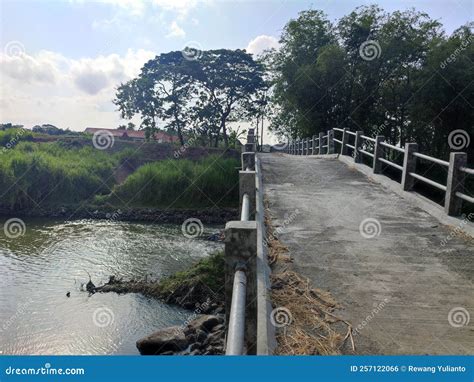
[176, 31]
[261, 43]
[49, 87]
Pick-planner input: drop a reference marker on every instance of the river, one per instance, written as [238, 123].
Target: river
[52, 258]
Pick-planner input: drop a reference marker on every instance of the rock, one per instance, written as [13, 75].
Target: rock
[217, 328]
[201, 335]
[171, 339]
[207, 322]
[216, 338]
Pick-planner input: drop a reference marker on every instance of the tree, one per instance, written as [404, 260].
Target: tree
[229, 81]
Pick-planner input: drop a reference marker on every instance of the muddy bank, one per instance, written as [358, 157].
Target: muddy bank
[178, 216]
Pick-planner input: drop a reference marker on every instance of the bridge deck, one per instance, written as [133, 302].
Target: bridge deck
[324, 202]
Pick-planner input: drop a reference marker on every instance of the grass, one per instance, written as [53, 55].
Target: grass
[209, 271]
[49, 174]
[43, 175]
[183, 184]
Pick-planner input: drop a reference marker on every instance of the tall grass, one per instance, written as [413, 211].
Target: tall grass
[182, 183]
[36, 175]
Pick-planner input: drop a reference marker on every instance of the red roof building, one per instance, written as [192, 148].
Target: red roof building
[160, 136]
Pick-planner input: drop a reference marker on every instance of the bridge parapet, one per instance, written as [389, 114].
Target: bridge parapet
[247, 282]
[377, 150]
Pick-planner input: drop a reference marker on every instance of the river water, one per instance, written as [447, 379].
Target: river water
[53, 258]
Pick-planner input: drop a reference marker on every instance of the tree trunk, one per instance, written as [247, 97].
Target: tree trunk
[180, 136]
[224, 135]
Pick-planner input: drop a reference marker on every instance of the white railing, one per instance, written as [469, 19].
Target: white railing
[456, 165]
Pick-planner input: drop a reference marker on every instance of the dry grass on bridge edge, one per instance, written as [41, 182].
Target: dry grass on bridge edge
[307, 325]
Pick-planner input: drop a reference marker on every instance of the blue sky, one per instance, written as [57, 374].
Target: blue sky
[62, 59]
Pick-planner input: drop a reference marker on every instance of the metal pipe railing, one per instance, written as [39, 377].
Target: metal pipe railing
[337, 140]
[391, 164]
[367, 138]
[338, 129]
[350, 132]
[465, 197]
[467, 170]
[350, 146]
[431, 159]
[366, 153]
[385, 144]
[429, 181]
[245, 213]
[236, 332]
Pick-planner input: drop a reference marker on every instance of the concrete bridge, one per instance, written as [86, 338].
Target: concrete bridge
[400, 267]
[392, 259]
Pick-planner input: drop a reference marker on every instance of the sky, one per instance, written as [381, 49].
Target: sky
[61, 60]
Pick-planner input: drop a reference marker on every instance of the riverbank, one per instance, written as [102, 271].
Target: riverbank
[155, 215]
[199, 289]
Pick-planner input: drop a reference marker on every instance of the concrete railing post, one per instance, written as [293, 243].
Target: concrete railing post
[247, 186]
[241, 253]
[345, 141]
[455, 183]
[330, 142]
[249, 148]
[313, 146]
[248, 161]
[379, 152]
[307, 147]
[409, 165]
[358, 145]
[321, 143]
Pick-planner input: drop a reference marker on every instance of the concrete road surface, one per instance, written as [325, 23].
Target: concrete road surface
[406, 287]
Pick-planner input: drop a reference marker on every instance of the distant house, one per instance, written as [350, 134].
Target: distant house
[160, 136]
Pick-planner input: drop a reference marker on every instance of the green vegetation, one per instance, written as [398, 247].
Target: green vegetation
[42, 175]
[395, 74]
[35, 175]
[182, 183]
[208, 271]
[10, 137]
